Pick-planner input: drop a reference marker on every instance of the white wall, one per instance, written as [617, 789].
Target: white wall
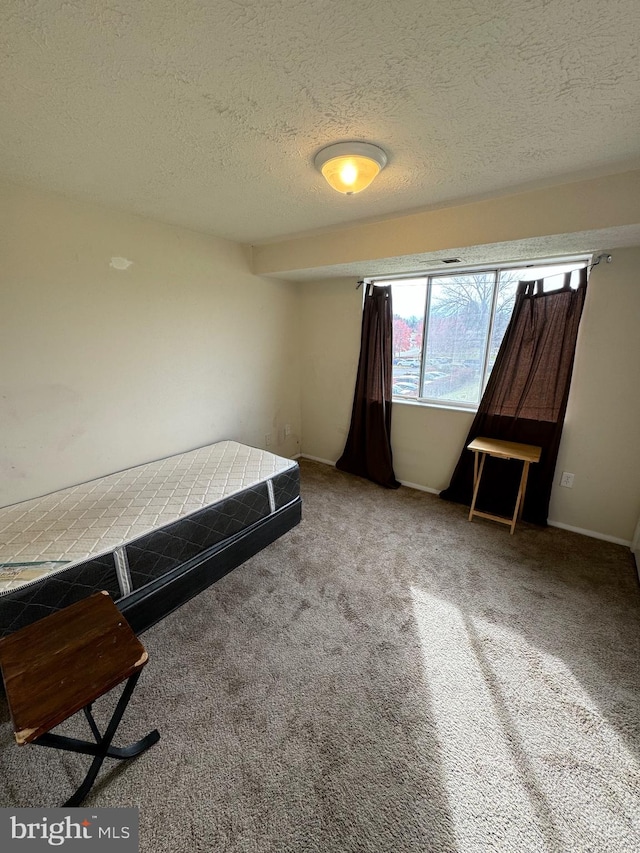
[103, 369]
[600, 441]
[331, 312]
[601, 436]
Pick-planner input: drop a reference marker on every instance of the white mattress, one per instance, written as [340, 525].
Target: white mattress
[55, 531]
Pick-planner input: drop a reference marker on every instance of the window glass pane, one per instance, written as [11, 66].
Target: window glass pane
[458, 326]
[507, 285]
[408, 298]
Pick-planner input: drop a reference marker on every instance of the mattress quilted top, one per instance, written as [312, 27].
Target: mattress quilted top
[47, 533]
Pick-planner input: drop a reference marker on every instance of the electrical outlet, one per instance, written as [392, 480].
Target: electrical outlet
[267, 439]
[566, 480]
[287, 429]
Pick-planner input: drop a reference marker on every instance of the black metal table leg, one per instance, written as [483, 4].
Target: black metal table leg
[102, 748]
[92, 723]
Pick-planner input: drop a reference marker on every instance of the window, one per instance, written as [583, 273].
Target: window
[447, 328]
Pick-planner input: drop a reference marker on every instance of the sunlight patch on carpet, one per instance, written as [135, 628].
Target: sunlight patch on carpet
[509, 715]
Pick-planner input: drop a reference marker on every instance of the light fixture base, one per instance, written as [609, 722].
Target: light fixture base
[349, 167]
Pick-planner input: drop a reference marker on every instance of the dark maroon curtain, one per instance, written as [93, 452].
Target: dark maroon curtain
[367, 452]
[525, 399]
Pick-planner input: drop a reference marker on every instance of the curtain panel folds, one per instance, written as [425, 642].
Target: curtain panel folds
[525, 399]
[367, 452]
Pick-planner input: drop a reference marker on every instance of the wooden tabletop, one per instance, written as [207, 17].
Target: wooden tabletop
[506, 449]
[58, 665]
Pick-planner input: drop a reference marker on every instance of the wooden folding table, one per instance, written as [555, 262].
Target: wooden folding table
[483, 447]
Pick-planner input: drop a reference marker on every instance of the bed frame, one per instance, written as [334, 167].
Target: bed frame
[152, 574]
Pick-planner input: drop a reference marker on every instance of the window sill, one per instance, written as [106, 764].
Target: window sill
[424, 404]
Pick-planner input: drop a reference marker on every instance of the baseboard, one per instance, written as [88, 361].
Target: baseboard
[402, 482]
[317, 459]
[635, 549]
[594, 534]
[420, 488]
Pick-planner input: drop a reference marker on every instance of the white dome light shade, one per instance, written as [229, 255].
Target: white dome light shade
[349, 167]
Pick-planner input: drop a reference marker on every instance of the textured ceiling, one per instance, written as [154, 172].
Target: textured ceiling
[208, 114]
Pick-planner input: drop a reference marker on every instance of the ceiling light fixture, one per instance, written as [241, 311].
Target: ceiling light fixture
[349, 167]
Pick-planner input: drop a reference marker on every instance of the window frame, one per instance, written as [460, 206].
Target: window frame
[580, 261]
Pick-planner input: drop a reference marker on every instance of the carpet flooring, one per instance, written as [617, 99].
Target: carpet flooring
[385, 677]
